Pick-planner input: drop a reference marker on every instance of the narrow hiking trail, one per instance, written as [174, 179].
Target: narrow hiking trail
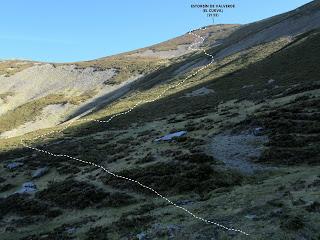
[68, 124]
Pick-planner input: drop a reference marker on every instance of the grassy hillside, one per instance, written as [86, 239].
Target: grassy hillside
[273, 86]
[127, 66]
[249, 158]
[214, 72]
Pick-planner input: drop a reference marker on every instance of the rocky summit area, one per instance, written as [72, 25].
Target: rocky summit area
[167, 142]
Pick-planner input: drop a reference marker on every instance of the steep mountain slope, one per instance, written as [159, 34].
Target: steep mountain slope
[110, 78]
[29, 88]
[248, 157]
[289, 24]
[214, 35]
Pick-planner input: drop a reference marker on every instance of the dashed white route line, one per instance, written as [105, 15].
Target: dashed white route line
[126, 112]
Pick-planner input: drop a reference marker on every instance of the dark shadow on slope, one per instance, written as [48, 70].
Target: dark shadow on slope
[294, 69]
[102, 101]
[165, 73]
[147, 82]
[272, 28]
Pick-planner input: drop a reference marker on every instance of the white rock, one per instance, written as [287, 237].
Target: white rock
[40, 172]
[28, 187]
[14, 165]
[170, 136]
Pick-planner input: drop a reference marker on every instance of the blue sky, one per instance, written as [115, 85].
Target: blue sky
[74, 30]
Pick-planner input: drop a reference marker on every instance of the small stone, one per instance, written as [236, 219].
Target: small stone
[251, 217]
[170, 136]
[40, 172]
[271, 81]
[184, 202]
[141, 236]
[14, 165]
[70, 230]
[28, 187]
[258, 131]
[248, 86]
